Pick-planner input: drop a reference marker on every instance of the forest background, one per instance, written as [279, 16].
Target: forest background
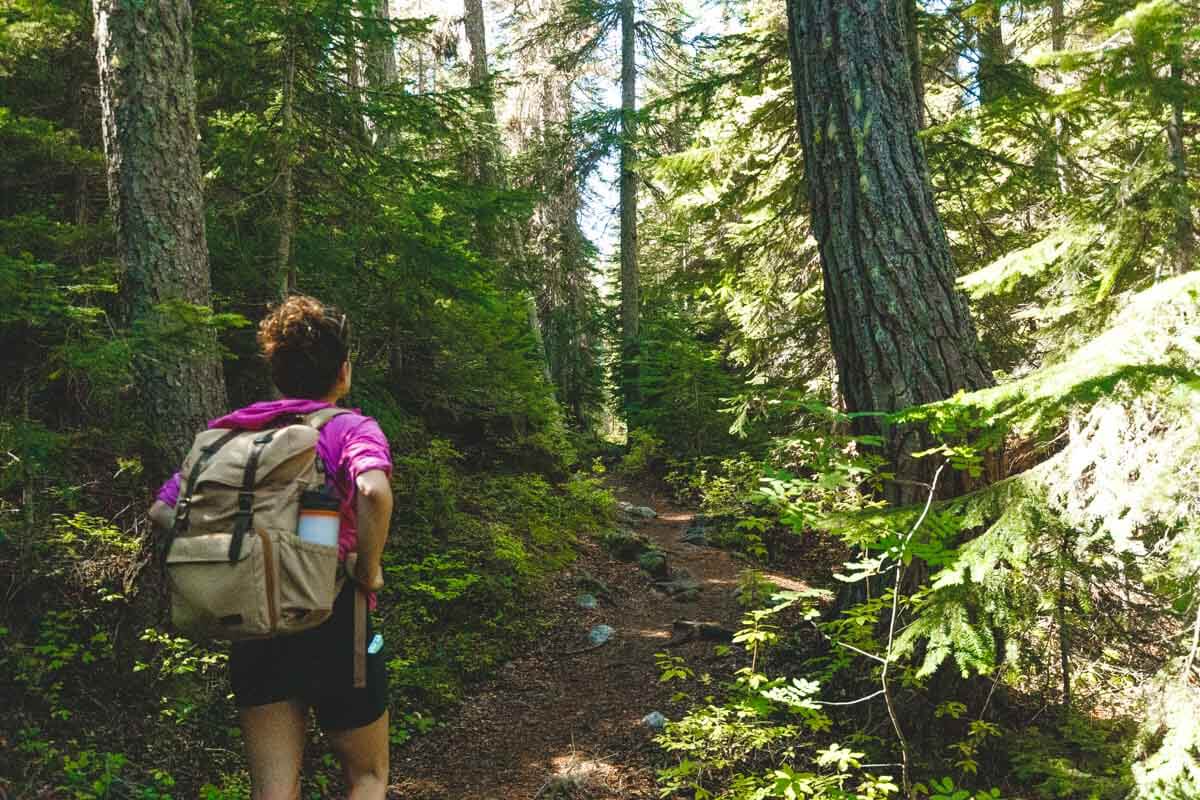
[800, 194]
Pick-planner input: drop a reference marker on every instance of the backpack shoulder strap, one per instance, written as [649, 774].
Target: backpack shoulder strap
[317, 419]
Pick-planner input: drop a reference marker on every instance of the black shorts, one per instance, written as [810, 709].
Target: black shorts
[316, 667]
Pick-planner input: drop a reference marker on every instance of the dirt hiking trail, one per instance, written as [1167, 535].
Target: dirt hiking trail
[556, 723]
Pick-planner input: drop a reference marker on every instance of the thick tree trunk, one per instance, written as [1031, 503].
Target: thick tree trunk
[285, 271]
[900, 329]
[629, 192]
[1185, 235]
[148, 102]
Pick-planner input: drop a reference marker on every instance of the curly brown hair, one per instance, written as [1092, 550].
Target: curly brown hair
[305, 342]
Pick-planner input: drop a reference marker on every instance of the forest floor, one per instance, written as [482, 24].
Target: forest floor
[557, 723]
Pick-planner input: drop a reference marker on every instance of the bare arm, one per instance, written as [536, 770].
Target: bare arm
[374, 509]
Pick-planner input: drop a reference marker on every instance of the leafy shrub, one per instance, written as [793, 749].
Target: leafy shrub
[643, 455]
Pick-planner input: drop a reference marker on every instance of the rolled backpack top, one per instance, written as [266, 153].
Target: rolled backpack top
[236, 566]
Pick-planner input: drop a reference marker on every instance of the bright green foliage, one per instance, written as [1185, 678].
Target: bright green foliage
[1071, 563]
[444, 358]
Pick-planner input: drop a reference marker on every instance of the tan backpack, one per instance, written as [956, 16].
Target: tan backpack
[235, 566]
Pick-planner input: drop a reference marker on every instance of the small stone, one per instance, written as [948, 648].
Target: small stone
[635, 514]
[654, 721]
[686, 596]
[600, 634]
[587, 601]
[654, 563]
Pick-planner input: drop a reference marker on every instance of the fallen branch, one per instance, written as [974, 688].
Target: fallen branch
[688, 630]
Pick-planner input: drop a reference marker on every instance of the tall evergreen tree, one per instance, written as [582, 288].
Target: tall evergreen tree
[630, 278]
[651, 29]
[148, 100]
[900, 329]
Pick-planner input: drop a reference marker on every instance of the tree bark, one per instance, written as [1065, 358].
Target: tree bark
[629, 193]
[485, 153]
[382, 72]
[900, 329]
[915, 61]
[148, 102]
[285, 271]
[1185, 236]
[993, 54]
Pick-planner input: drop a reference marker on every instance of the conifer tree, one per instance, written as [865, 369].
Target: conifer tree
[900, 329]
[148, 101]
[652, 29]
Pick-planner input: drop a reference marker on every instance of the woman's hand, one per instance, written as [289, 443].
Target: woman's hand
[369, 577]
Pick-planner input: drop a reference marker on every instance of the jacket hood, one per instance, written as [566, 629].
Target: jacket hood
[259, 415]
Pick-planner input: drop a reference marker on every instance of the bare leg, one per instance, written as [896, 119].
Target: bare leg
[274, 736]
[364, 756]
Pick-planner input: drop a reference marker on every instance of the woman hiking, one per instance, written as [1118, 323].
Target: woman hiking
[275, 681]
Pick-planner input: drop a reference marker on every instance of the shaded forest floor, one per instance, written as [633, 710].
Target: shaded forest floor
[559, 723]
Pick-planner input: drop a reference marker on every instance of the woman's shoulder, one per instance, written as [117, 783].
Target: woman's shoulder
[353, 423]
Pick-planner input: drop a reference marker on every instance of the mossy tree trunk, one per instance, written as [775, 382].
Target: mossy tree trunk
[916, 64]
[900, 329]
[148, 103]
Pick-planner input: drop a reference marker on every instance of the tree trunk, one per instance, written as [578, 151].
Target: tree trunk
[1185, 236]
[993, 54]
[915, 60]
[487, 169]
[285, 271]
[629, 190]
[382, 73]
[485, 155]
[900, 329]
[148, 101]
[1058, 43]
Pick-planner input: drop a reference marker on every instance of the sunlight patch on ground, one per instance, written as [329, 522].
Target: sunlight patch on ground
[647, 633]
[575, 775]
[786, 583]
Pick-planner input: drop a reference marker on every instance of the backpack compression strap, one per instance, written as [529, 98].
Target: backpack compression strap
[318, 418]
[184, 504]
[245, 512]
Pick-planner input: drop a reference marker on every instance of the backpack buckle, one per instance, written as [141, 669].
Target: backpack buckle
[245, 503]
[182, 506]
